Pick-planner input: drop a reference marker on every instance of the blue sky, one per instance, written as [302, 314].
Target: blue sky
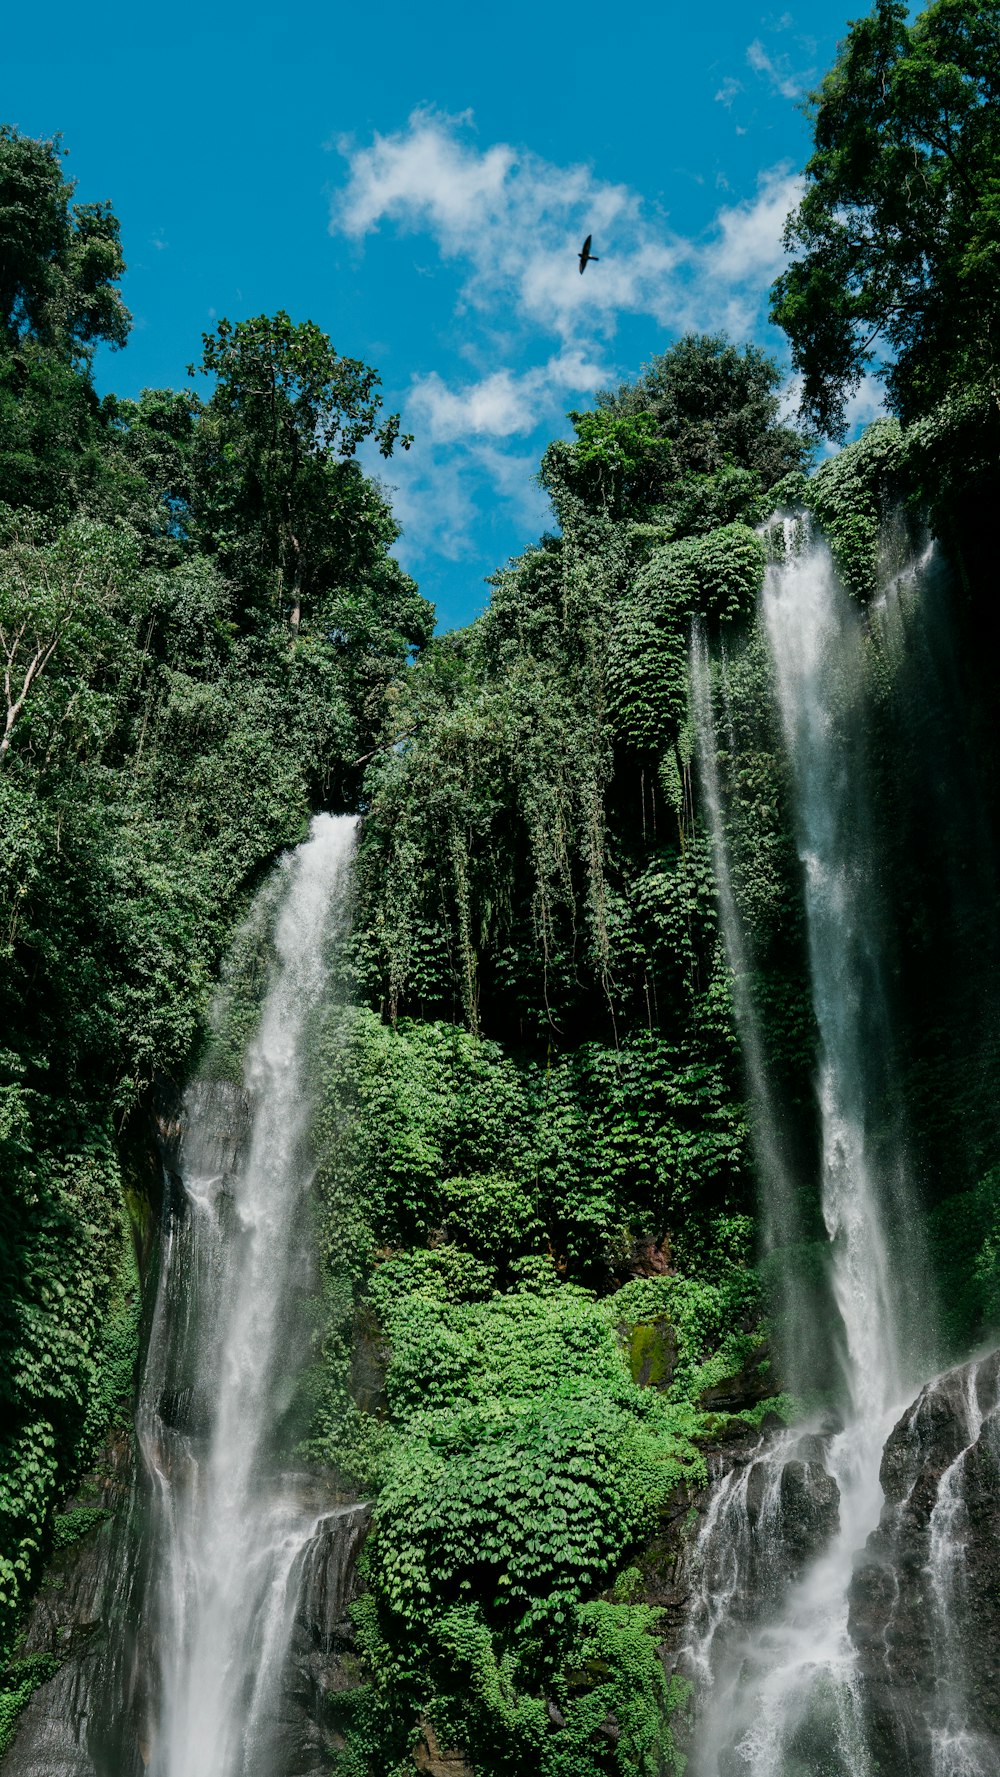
[418, 180]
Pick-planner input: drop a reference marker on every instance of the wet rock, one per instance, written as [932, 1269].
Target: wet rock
[92, 1719]
[925, 1599]
[369, 1362]
[792, 1510]
[322, 1660]
[67, 1619]
[53, 1730]
[809, 1511]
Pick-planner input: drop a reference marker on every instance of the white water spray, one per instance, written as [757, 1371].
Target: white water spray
[956, 1749]
[229, 1529]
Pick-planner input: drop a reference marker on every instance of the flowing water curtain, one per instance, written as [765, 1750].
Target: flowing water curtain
[230, 1522]
[783, 1680]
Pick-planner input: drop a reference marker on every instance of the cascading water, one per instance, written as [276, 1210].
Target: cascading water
[229, 1527]
[769, 1620]
[958, 1751]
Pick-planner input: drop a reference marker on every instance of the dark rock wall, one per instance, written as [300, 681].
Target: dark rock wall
[92, 1718]
[927, 1628]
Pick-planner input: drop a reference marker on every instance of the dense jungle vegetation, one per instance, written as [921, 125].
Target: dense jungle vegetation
[536, 1166]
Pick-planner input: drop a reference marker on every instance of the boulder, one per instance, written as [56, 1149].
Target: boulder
[925, 1599]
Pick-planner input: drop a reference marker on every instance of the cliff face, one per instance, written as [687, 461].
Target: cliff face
[925, 1602]
[90, 1719]
[68, 1621]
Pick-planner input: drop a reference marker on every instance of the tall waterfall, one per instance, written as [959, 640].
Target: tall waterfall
[230, 1527]
[769, 1623]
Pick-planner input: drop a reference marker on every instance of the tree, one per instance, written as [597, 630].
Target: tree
[60, 266]
[896, 242]
[715, 403]
[697, 439]
[618, 461]
[60, 262]
[274, 459]
[147, 462]
[58, 609]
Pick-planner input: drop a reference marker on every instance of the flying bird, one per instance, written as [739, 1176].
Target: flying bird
[585, 255]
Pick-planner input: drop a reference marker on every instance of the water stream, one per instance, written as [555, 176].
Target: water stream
[769, 1620]
[230, 1526]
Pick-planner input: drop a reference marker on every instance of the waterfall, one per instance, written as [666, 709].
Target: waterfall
[955, 1750]
[773, 1563]
[815, 634]
[230, 1526]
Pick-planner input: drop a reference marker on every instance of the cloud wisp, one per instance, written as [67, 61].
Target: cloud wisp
[778, 70]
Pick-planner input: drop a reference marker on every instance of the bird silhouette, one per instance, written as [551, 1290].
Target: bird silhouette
[585, 255]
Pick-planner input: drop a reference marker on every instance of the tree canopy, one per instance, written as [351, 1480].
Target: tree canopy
[277, 492]
[704, 409]
[61, 262]
[896, 243]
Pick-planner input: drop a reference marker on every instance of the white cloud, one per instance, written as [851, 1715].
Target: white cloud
[728, 91]
[514, 219]
[515, 479]
[511, 223]
[424, 176]
[746, 251]
[514, 222]
[433, 501]
[865, 405]
[499, 406]
[504, 404]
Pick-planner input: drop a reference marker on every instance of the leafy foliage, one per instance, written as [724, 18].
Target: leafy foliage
[545, 1101]
[165, 732]
[21, 1678]
[716, 405]
[61, 261]
[274, 491]
[533, 1159]
[526, 1462]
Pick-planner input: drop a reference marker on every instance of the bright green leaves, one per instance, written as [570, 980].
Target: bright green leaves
[526, 1464]
[619, 464]
[453, 1142]
[18, 1681]
[717, 406]
[526, 1503]
[851, 496]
